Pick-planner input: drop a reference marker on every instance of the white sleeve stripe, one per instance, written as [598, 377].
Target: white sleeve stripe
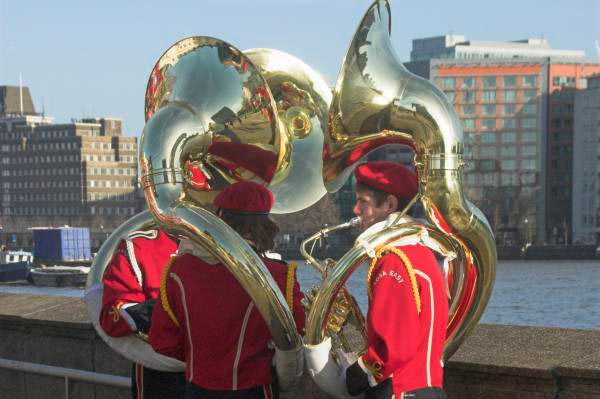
[430, 338]
[239, 346]
[187, 323]
[133, 261]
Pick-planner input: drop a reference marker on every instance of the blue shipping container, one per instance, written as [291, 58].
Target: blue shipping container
[62, 244]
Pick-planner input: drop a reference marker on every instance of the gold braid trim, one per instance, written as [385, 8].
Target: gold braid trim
[163, 291]
[407, 264]
[289, 284]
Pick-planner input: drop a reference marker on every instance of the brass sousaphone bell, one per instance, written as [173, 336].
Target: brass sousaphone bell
[376, 102]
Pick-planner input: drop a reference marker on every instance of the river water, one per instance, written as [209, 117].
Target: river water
[534, 293]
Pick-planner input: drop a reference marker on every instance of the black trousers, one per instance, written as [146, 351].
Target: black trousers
[193, 391]
[153, 384]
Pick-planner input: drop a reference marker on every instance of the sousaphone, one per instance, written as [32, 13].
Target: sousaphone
[377, 102]
[214, 116]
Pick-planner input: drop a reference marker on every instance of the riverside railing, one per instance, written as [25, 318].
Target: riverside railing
[66, 373]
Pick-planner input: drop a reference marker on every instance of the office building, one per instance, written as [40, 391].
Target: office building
[586, 170]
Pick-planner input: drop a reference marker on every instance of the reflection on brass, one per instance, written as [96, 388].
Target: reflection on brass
[376, 102]
[302, 99]
[345, 323]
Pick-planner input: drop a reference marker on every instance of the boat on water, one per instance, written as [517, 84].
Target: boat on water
[60, 276]
[14, 265]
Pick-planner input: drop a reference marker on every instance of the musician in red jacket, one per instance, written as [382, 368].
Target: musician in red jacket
[207, 319]
[408, 304]
[131, 285]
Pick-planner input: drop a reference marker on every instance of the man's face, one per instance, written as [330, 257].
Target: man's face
[370, 213]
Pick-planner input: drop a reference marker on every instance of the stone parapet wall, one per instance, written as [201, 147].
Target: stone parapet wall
[495, 362]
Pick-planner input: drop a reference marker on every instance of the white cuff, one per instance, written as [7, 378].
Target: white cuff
[324, 370]
[288, 365]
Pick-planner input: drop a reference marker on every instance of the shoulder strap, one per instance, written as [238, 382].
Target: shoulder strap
[407, 264]
[133, 262]
[289, 284]
[163, 291]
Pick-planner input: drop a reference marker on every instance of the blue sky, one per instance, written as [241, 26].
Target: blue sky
[93, 59]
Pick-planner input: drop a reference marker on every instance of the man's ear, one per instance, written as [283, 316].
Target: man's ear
[392, 203]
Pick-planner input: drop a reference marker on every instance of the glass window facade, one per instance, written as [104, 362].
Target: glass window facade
[488, 124]
[468, 82]
[509, 164]
[509, 137]
[529, 109]
[488, 137]
[529, 123]
[529, 95]
[489, 81]
[529, 81]
[528, 150]
[488, 96]
[510, 81]
[510, 109]
[468, 109]
[510, 96]
[468, 97]
[489, 110]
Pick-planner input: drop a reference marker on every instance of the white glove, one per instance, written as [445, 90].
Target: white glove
[324, 370]
[289, 366]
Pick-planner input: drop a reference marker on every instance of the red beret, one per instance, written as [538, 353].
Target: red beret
[390, 177]
[245, 197]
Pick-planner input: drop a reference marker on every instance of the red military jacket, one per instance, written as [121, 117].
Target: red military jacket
[133, 276]
[402, 343]
[215, 327]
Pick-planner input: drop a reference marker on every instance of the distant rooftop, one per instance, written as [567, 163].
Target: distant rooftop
[16, 101]
[458, 47]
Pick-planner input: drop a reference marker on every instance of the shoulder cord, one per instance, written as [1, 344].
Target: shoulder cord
[409, 269]
[289, 284]
[163, 291]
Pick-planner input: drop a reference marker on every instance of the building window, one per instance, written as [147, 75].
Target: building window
[510, 96]
[508, 151]
[468, 82]
[488, 165]
[488, 96]
[509, 137]
[529, 95]
[510, 109]
[489, 110]
[448, 83]
[528, 150]
[528, 164]
[529, 109]
[528, 123]
[509, 123]
[509, 164]
[529, 81]
[488, 137]
[488, 124]
[510, 81]
[489, 81]
[486, 151]
[468, 97]
[529, 137]
[468, 124]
